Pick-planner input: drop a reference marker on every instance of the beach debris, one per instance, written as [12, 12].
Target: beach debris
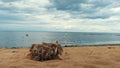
[46, 51]
[14, 51]
[111, 47]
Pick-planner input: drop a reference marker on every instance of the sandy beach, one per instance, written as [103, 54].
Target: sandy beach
[73, 57]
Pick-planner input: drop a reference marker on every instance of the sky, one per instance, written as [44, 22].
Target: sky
[60, 15]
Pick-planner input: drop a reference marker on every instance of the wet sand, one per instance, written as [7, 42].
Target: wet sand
[73, 57]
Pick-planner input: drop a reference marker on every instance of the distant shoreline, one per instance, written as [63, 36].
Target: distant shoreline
[66, 32]
[70, 46]
[91, 45]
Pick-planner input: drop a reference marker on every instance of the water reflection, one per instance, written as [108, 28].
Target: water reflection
[25, 39]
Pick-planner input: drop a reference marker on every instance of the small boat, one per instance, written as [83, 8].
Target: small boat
[27, 35]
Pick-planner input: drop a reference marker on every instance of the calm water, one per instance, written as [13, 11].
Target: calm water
[21, 39]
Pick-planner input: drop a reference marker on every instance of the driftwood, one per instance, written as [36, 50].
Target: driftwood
[46, 51]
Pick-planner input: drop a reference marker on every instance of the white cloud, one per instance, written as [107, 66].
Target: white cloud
[43, 15]
[88, 6]
[116, 10]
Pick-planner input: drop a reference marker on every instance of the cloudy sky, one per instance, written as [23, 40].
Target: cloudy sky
[60, 15]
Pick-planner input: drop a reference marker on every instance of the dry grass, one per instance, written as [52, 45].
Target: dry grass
[73, 57]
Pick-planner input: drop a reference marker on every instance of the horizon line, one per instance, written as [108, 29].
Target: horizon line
[59, 31]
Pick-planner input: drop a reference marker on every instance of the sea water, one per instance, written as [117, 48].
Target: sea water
[26, 39]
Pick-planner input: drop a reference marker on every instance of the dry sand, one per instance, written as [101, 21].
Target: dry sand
[73, 57]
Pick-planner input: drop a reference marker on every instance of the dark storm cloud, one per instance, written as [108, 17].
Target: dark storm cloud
[9, 0]
[87, 7]
[67, 4]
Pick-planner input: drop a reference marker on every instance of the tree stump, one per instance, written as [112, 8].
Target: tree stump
[46, 51]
